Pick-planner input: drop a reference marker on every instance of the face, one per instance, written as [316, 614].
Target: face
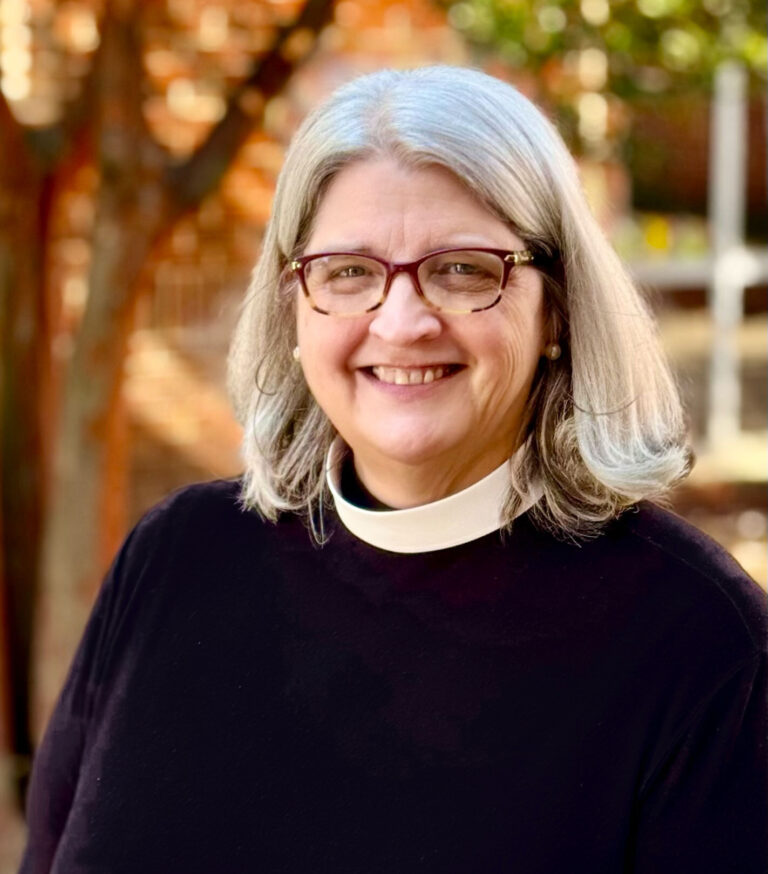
[467, 377]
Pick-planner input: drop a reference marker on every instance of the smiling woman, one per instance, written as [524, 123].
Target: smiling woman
[429, 401]
[437, 626]
[604, 428]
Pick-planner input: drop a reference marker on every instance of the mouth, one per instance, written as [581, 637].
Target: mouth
[413, 375]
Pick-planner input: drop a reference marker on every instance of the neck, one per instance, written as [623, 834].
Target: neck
[458, 518]
[401, 486]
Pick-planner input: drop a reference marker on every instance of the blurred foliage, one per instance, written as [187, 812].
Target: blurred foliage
[590, 60]
[650, 46]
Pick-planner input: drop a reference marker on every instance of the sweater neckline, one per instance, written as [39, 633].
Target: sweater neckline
[451, 521]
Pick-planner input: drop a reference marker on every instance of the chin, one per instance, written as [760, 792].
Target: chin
[414, 450]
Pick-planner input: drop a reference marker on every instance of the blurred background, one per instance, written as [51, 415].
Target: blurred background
[140, 141]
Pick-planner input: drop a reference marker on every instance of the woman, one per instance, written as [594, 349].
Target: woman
[436, 627]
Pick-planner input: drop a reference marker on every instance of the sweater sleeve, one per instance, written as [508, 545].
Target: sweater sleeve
[705, 807]
[58, 760]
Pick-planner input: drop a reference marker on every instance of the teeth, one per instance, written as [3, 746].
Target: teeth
[409, 376]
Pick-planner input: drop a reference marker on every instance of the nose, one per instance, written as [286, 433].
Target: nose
[404, 317]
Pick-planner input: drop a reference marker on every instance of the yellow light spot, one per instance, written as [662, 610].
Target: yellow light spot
[595, 12]
[593, 69]
[552, 19]
[593, 117]
[657, 233]
[213, 28]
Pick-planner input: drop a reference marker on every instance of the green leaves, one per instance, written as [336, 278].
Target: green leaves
[650, 45]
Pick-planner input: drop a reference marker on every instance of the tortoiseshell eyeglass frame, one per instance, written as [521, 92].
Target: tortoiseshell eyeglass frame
[509, 259]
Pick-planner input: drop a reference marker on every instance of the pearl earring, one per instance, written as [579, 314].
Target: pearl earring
[296, 353]
[553, 351]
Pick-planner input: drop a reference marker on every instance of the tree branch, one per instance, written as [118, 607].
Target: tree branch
[191, 181]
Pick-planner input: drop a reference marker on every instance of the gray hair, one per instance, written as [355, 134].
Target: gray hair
[605, 424]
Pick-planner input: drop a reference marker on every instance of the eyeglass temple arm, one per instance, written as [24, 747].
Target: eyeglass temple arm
[516, 258]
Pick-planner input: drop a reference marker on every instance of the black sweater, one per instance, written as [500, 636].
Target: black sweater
[244, 701]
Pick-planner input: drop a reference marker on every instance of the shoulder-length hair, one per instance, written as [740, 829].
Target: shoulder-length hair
[605, 425]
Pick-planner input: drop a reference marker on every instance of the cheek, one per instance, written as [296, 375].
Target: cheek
[304, 314]
[513, 350]
[314, 335]
[325, 345]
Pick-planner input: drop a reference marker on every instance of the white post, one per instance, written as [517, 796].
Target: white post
[727, 187]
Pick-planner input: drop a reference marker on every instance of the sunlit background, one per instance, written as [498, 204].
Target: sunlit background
[139, 147]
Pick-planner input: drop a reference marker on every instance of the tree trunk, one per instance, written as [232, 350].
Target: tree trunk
[140, 196]
[130, 213]
[25, 403]
[77, 551]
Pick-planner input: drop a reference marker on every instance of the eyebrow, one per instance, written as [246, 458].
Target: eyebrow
[357, 249]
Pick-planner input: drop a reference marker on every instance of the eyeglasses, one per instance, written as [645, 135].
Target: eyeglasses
[449, 280]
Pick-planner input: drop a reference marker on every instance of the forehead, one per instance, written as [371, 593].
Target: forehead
[381, 204]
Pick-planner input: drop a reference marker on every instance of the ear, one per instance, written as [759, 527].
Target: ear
[556, 328]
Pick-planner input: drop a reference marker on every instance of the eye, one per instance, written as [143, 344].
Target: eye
[349, 271]
[462, 264]
[460, 268]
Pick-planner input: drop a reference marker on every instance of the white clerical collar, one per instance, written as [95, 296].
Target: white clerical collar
[459, 518]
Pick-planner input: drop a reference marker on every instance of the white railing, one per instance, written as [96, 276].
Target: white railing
[731, 266]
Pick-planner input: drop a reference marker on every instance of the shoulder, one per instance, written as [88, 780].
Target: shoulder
[687, 567]
[203, 499]
[200, 507]
[197, 543]
[679, 609]
[197, 526]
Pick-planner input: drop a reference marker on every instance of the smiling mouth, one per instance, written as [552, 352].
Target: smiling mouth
[413, 375]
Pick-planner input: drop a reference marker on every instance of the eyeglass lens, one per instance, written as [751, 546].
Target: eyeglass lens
[460, 281]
